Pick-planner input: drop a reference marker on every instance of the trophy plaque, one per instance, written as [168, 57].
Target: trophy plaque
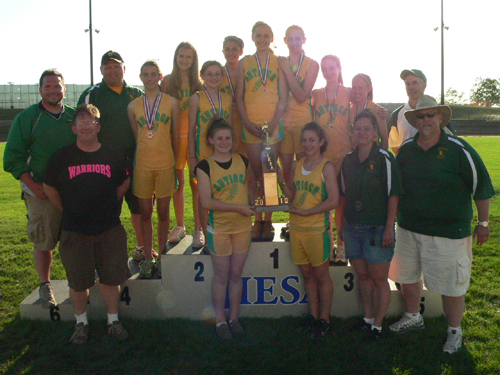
[271, 200]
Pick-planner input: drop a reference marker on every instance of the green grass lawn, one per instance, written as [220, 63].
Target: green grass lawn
[271, 346]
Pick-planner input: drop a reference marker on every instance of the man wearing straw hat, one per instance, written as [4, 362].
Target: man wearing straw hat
[441, 174]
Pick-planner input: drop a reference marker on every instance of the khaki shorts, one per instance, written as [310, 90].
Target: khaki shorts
[44, 222]
[292, 141]
[228, 244]
[444, 263]
[147, 183]
[82, 255]
[310, 248]
[276, 137]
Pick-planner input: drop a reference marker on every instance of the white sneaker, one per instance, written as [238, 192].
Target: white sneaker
[453, 342]
[340, 253]
[407, 323]
[138, 254]
[177, 234]
[198, 239]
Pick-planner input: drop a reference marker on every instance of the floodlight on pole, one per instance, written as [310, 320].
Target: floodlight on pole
[89, 30]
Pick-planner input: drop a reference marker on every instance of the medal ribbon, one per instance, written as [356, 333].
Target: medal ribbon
[151, 115]
[263, 78]
[296, 74]
[230, 82]
[217, 114]
[330, 106]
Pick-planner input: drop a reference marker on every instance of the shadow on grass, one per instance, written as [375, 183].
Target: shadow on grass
[270, 346]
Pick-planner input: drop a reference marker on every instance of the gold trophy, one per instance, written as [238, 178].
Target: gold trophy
[271, 200]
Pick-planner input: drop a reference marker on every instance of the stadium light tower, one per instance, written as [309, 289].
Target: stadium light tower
[89, 30]
[442, 52]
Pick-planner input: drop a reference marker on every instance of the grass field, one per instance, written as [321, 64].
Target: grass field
[271, 346]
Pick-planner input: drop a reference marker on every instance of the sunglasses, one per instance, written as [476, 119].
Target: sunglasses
[421, 116]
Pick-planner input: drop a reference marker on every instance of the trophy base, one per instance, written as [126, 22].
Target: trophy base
[280, 207]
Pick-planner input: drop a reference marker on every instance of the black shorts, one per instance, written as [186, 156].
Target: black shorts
[82, 255]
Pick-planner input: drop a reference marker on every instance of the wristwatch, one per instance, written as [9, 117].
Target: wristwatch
[483, 223]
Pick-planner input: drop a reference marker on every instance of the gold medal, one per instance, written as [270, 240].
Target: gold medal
[150, 134]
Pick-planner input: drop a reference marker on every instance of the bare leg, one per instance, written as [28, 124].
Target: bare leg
[111, 297]
[235, 283]
[196, 212]
[43, 261]
[136, 224]
[146, 206]
[311, 289]
[221, 266]
[325, 289]
[163, 212]
[366, 287]
[412, 294]
[178, 198]
[453, 309]
[382, 291]
[79, 300]
[286, 166]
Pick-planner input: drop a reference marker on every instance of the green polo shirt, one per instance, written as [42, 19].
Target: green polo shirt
[439, 186]
[372, 183]
[115, 126]
[34, 136]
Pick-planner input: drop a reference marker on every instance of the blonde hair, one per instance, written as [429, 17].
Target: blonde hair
[368, 80]
[337, 61]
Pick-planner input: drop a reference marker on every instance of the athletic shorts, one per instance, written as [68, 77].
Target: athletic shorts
[183, 156]
[221, 244]
[148, 183]
[365, 242]
[82, 254]
[291, 141]
[276, 137]
[44, 222]
[310, 248]
[445, 263]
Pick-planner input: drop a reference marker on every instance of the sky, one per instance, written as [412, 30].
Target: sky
[376, 38]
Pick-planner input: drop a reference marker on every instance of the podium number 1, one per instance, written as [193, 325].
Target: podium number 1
[275, 255]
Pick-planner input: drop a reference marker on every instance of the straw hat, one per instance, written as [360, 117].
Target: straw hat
[428, 102]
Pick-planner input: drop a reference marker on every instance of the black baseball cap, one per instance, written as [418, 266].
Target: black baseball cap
[111, 55]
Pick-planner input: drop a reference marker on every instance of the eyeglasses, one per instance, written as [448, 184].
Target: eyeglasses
[88, 123]
[421, 116]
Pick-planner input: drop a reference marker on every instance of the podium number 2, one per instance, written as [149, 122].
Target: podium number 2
[200, 267]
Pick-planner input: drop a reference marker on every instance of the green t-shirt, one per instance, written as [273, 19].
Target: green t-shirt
[439, 186]
[367, 186]
[116, 131]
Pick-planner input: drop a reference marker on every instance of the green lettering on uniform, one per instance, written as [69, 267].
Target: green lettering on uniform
[231, 179]
[315, 191]
[271, 76]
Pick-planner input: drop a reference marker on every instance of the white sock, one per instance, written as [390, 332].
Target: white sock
[454, 330]
[82, 318]
[412, 315]
[377, 328]
[112, 318]
[219, 324]
[369, 320]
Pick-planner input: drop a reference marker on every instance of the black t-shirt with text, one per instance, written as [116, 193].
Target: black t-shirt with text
[87, 183]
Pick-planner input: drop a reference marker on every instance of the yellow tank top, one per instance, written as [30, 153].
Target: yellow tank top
[261, 101]
[310, 191]
[203, 117]
[229, 186]
[184, 104]
[336, 125]
[154, 153]
[225, 87]
[296, 114]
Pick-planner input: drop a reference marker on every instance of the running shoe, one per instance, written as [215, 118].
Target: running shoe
[198, 239]
[407, 323]
[223, 332]
[47, 295]
[117, 331]
[146, 268]
[177, 234]
[138, 254]
[453, 342]
[80, 334]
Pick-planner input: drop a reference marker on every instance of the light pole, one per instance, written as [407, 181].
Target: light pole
[89, 30]
[442, 52]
